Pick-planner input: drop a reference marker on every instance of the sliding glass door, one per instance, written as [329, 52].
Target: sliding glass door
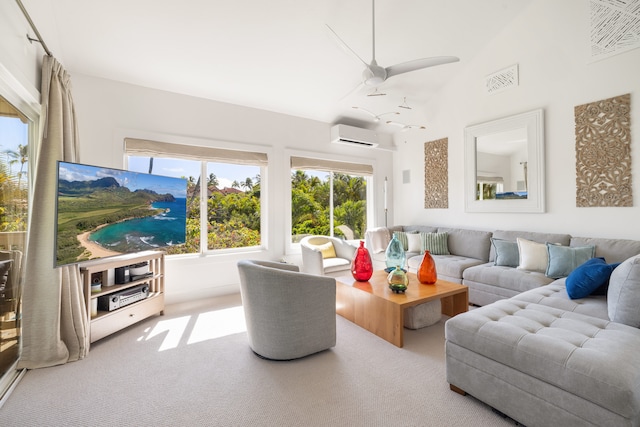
[15, 131]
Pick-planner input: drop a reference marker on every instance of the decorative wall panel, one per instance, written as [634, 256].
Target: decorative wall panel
[603, 153]
[436, 174]
[614, 27]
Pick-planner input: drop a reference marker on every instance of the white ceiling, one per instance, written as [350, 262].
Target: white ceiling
[275, 55]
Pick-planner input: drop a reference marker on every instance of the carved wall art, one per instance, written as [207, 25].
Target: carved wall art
[613, 27]
[436, 174]
[603, 153]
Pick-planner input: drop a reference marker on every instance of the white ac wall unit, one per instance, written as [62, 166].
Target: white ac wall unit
[354, 136]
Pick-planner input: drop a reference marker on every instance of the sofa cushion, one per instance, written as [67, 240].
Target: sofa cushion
[612, 250]
[555, 295]
[402, 236]
[588, 277]
[468, 243]
[564, 259]
[506, 252]
[505, 277]
[561, 239]
[419, 229]
[623, 297]
[532, 256]
[435, 243]
[331, 265]
[586, 356]
[414, 242]
[450, 266]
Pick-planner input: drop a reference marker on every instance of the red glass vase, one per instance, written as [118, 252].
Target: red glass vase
[427, 270]
[361, 265]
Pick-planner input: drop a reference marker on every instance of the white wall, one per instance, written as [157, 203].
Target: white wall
[20, 60]
[109, 110]
[549, 42]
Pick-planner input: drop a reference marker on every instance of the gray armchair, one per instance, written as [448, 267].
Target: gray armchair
[325, 255]
[289, 314]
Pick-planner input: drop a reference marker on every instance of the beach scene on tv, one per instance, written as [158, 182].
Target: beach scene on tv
[103, 212]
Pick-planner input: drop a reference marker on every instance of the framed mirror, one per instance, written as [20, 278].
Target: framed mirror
[504, 164]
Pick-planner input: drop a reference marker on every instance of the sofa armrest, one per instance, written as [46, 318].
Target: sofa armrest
[343, 249]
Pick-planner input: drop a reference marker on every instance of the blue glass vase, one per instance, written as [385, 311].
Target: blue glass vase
[395, 254]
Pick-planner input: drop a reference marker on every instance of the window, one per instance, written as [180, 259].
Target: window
[16, 130]
[328, 198]
[223, 195]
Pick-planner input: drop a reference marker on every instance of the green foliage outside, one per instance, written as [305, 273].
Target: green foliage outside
[233, 216]
[310, 205]
[488, 191]
[13, 190]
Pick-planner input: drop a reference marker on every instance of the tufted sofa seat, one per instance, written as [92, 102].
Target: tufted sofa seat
[544, 359]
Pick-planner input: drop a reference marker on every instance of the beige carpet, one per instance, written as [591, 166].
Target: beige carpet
[193, 367]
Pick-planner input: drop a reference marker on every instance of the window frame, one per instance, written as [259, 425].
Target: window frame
[292, 248]
[212, 145]
[26, 99]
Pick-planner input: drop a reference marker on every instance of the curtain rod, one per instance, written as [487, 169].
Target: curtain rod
[38, 38]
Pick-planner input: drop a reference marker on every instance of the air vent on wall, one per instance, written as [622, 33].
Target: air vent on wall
[354, 136]
[502, 80]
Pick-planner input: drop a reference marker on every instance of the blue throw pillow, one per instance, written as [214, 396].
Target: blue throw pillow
[506, 252]
[564, 259]
[588, 277]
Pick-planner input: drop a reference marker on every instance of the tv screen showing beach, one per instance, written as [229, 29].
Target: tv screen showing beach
[102, 212]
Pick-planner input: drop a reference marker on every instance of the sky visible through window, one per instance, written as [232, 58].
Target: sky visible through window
[225, 172]
[12, 134]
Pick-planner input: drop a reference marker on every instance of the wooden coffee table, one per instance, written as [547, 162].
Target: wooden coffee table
[373, 306]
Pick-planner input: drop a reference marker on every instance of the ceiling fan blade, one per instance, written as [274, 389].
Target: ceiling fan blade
[352, 91]
[419, 64]
[345, 46]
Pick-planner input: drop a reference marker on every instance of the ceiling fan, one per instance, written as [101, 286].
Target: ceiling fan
[374, 74]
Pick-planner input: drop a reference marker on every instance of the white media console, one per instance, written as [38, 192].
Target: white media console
[124, 300]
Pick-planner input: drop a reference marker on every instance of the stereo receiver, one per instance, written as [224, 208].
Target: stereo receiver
[120, 299]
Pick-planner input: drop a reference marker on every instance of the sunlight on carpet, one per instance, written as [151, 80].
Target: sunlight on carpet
[209, 325]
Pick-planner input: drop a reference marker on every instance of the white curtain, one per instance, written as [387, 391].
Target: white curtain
[54, 314]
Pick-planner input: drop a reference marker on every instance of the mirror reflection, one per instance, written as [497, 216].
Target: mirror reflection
[504, 164]
[501, 165]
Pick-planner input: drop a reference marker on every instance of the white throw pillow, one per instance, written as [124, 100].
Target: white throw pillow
[414, 242]
[533, 256]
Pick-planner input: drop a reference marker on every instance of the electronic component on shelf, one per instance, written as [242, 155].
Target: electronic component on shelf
[133, 277]
[123, 298]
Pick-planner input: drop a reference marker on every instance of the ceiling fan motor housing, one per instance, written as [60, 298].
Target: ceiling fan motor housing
[374, 75]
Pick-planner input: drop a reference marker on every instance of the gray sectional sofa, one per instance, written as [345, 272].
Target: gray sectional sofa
[467, 248]
[534, 353]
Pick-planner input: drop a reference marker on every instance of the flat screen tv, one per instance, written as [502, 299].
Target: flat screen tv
[103, 212]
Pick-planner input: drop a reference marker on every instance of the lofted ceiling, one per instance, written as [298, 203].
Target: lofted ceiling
[275, 55]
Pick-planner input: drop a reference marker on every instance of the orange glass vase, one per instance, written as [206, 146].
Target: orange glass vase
[361, 265]
[427, 271]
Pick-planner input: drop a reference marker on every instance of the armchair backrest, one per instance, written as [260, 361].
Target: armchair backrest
[288, 314]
